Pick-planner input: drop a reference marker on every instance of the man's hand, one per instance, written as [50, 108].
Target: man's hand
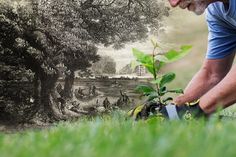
[180, 100]
[187, 111]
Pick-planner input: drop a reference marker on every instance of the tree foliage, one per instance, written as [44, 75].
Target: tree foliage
[108, 22]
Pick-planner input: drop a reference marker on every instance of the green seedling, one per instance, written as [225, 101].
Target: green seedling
[153, 63]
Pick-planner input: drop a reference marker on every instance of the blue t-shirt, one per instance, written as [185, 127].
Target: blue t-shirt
[221, 21]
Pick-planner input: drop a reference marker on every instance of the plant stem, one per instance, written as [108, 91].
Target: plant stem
[154, 73]
[153, 66]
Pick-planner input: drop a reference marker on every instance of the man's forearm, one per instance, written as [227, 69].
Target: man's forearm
[201, 83]
[211, 73]
[222, 95]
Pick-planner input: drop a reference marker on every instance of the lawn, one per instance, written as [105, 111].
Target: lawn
[118, 137]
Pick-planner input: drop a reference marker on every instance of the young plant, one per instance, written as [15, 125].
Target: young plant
[153, 63]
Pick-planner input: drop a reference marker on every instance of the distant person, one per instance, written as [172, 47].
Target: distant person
[97, 103]
[124, 99]
[214, 85]
[106, 104]
[118, 103]
[90, 90]
[94, 90]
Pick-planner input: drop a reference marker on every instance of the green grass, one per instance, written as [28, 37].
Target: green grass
[117, 137]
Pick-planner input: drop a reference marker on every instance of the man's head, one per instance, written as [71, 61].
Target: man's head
[197, 6]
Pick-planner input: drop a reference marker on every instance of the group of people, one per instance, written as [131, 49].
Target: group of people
[122, 101]
[86, 93]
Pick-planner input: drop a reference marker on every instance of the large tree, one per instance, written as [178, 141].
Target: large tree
[30, 46]
[28, 42]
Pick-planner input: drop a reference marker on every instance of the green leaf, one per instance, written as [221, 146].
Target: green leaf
[174, 55]
[163, 90]
[153, 95]
[167, 78]
[178, 91]
[168, 99]
[157, 81]
[145, 89]
[145, 59]
[149, 68]
[142, 57]
[159, 66]
[161, 58]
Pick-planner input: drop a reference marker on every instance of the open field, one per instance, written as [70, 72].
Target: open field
[118, 138]
[108, 88]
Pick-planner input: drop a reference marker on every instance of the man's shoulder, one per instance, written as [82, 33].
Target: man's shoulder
[221, 19]
[222, 11]
[214, 9]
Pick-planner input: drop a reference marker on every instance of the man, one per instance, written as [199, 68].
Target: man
[215, 83]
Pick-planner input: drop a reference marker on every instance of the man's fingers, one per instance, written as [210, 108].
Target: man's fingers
[179, 101]
[174, 3]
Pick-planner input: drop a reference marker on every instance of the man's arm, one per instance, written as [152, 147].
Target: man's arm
[210, 74]
[222, 95]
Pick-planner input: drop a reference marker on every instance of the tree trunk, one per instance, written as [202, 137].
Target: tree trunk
[37, 89]
[48, 98]
[49, 107]
[68, 87]
[37, 94]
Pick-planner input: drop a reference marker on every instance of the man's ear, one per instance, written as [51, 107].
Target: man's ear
[174, 3]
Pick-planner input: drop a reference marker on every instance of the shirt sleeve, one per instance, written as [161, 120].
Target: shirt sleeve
[222, 36]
